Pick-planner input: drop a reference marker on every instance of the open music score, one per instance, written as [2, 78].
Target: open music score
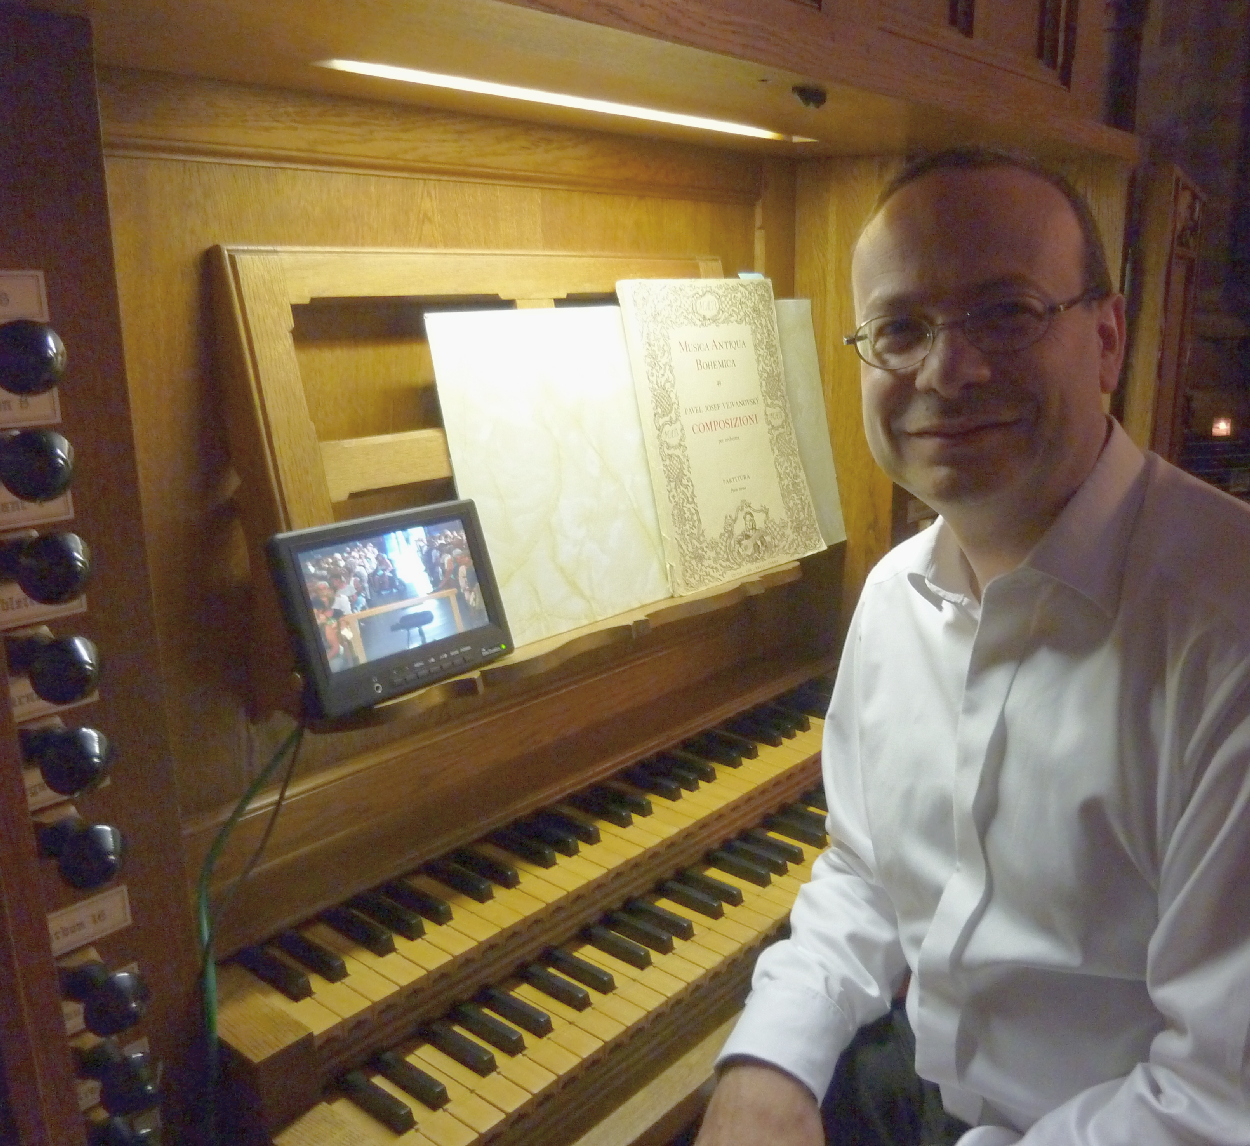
[636, 904]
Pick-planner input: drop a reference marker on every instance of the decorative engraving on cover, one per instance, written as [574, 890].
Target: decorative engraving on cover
[751, 533]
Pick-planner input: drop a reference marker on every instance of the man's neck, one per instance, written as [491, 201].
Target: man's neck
[989, 550]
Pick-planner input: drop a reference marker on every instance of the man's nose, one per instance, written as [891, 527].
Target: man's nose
[952, 363]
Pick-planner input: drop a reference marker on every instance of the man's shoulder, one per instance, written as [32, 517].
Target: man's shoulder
[1193, 540]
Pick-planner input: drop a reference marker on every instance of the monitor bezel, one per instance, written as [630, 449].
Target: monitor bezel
[330, 694]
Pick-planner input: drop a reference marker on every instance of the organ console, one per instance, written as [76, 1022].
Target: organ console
[519, 906]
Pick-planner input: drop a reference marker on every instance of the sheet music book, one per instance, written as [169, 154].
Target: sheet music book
[807, 413]
[544, 437]
[729, 484]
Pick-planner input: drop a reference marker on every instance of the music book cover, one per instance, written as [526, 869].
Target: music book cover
[729, 484]
[542, 427]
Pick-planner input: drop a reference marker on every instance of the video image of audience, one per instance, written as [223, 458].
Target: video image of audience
[393, 592]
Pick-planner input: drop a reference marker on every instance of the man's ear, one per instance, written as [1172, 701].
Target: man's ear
[1111, 338]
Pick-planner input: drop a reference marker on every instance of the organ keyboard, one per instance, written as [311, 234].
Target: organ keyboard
[634, 906]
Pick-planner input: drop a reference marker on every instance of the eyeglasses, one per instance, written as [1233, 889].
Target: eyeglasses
[899, 342]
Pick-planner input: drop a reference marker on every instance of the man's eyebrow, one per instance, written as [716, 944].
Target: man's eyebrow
[911, 300]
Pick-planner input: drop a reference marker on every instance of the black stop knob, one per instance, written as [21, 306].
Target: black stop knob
[36, 465]
[32, 357]
[127, 1082]
[116, 1132]
[70, 760]
[112, 1001]
[61, 669]
[51, 569]
[88, 855]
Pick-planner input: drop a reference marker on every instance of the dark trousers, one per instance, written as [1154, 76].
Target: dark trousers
[877, 1099]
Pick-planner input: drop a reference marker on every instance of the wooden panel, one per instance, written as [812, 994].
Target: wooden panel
[732, 59]
[1166, 239]
[834, 198]
[52, 182]
[359, 464]
[166, 213]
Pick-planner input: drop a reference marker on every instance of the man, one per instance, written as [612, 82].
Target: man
[1036, 757]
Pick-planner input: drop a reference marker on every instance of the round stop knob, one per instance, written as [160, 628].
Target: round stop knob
[61, 669]
[36, 465]
[51, 569]
[32, 357]
[70, 760]
[117, 1132]
[112, 1001]
[127, 1081]
[88, 855]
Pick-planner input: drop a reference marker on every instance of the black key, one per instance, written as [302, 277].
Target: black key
[700, 767]
[557, 987]
[757, 731]
[430, 906]
[793, 829]
[811, 698]
[465, 1051]
[640, 931]
[394, 1113]
[805, 815]
[573, 821]
[425, 1088]
[550, 834]
[610, 943]
[387, 912]
[266, 966]
[762, 857]
[717, 750]
[676, 925]
[598, 805]
[498, 872]
[488, 1028]
[745, 746]
[670, 769]
[663, 786]
[710, 885]
[525, 1015]
[801, 720]
[693, 898]
[524, 845]
[767, 717]
[461, 879]
[737, 865]
[816, 799]
[569, 964]
[371, 936]
[634, 800]
[786, 850]
[328, 964]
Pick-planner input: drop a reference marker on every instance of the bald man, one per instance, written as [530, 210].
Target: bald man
[1037, 757]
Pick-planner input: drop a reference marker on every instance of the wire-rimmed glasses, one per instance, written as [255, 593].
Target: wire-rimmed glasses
[901, 341]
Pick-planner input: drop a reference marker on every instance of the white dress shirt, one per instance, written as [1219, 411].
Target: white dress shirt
[1040, 805]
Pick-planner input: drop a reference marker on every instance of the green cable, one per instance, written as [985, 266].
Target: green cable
[208, 968]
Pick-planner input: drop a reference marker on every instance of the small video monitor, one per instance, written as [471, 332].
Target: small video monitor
[384, 605]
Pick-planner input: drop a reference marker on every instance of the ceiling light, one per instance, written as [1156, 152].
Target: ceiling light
[533, 95]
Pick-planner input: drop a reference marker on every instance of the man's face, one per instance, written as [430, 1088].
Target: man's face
[1012, 432]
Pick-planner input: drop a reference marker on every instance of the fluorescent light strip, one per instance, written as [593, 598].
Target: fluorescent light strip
[533, 95]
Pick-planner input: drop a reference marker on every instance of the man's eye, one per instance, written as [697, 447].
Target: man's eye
[897, 333]
[1010, 314]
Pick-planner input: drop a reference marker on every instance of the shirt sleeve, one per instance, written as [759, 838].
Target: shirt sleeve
[838, 970]
[1195, 1085]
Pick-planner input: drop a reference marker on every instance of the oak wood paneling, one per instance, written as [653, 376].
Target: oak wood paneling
[167, 211]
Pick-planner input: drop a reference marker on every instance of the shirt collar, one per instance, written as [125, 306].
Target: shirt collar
[1084, 548]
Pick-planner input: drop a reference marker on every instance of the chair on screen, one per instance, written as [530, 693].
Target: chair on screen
[410, 621]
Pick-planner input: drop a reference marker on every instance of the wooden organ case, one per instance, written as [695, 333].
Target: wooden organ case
[210, 211]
